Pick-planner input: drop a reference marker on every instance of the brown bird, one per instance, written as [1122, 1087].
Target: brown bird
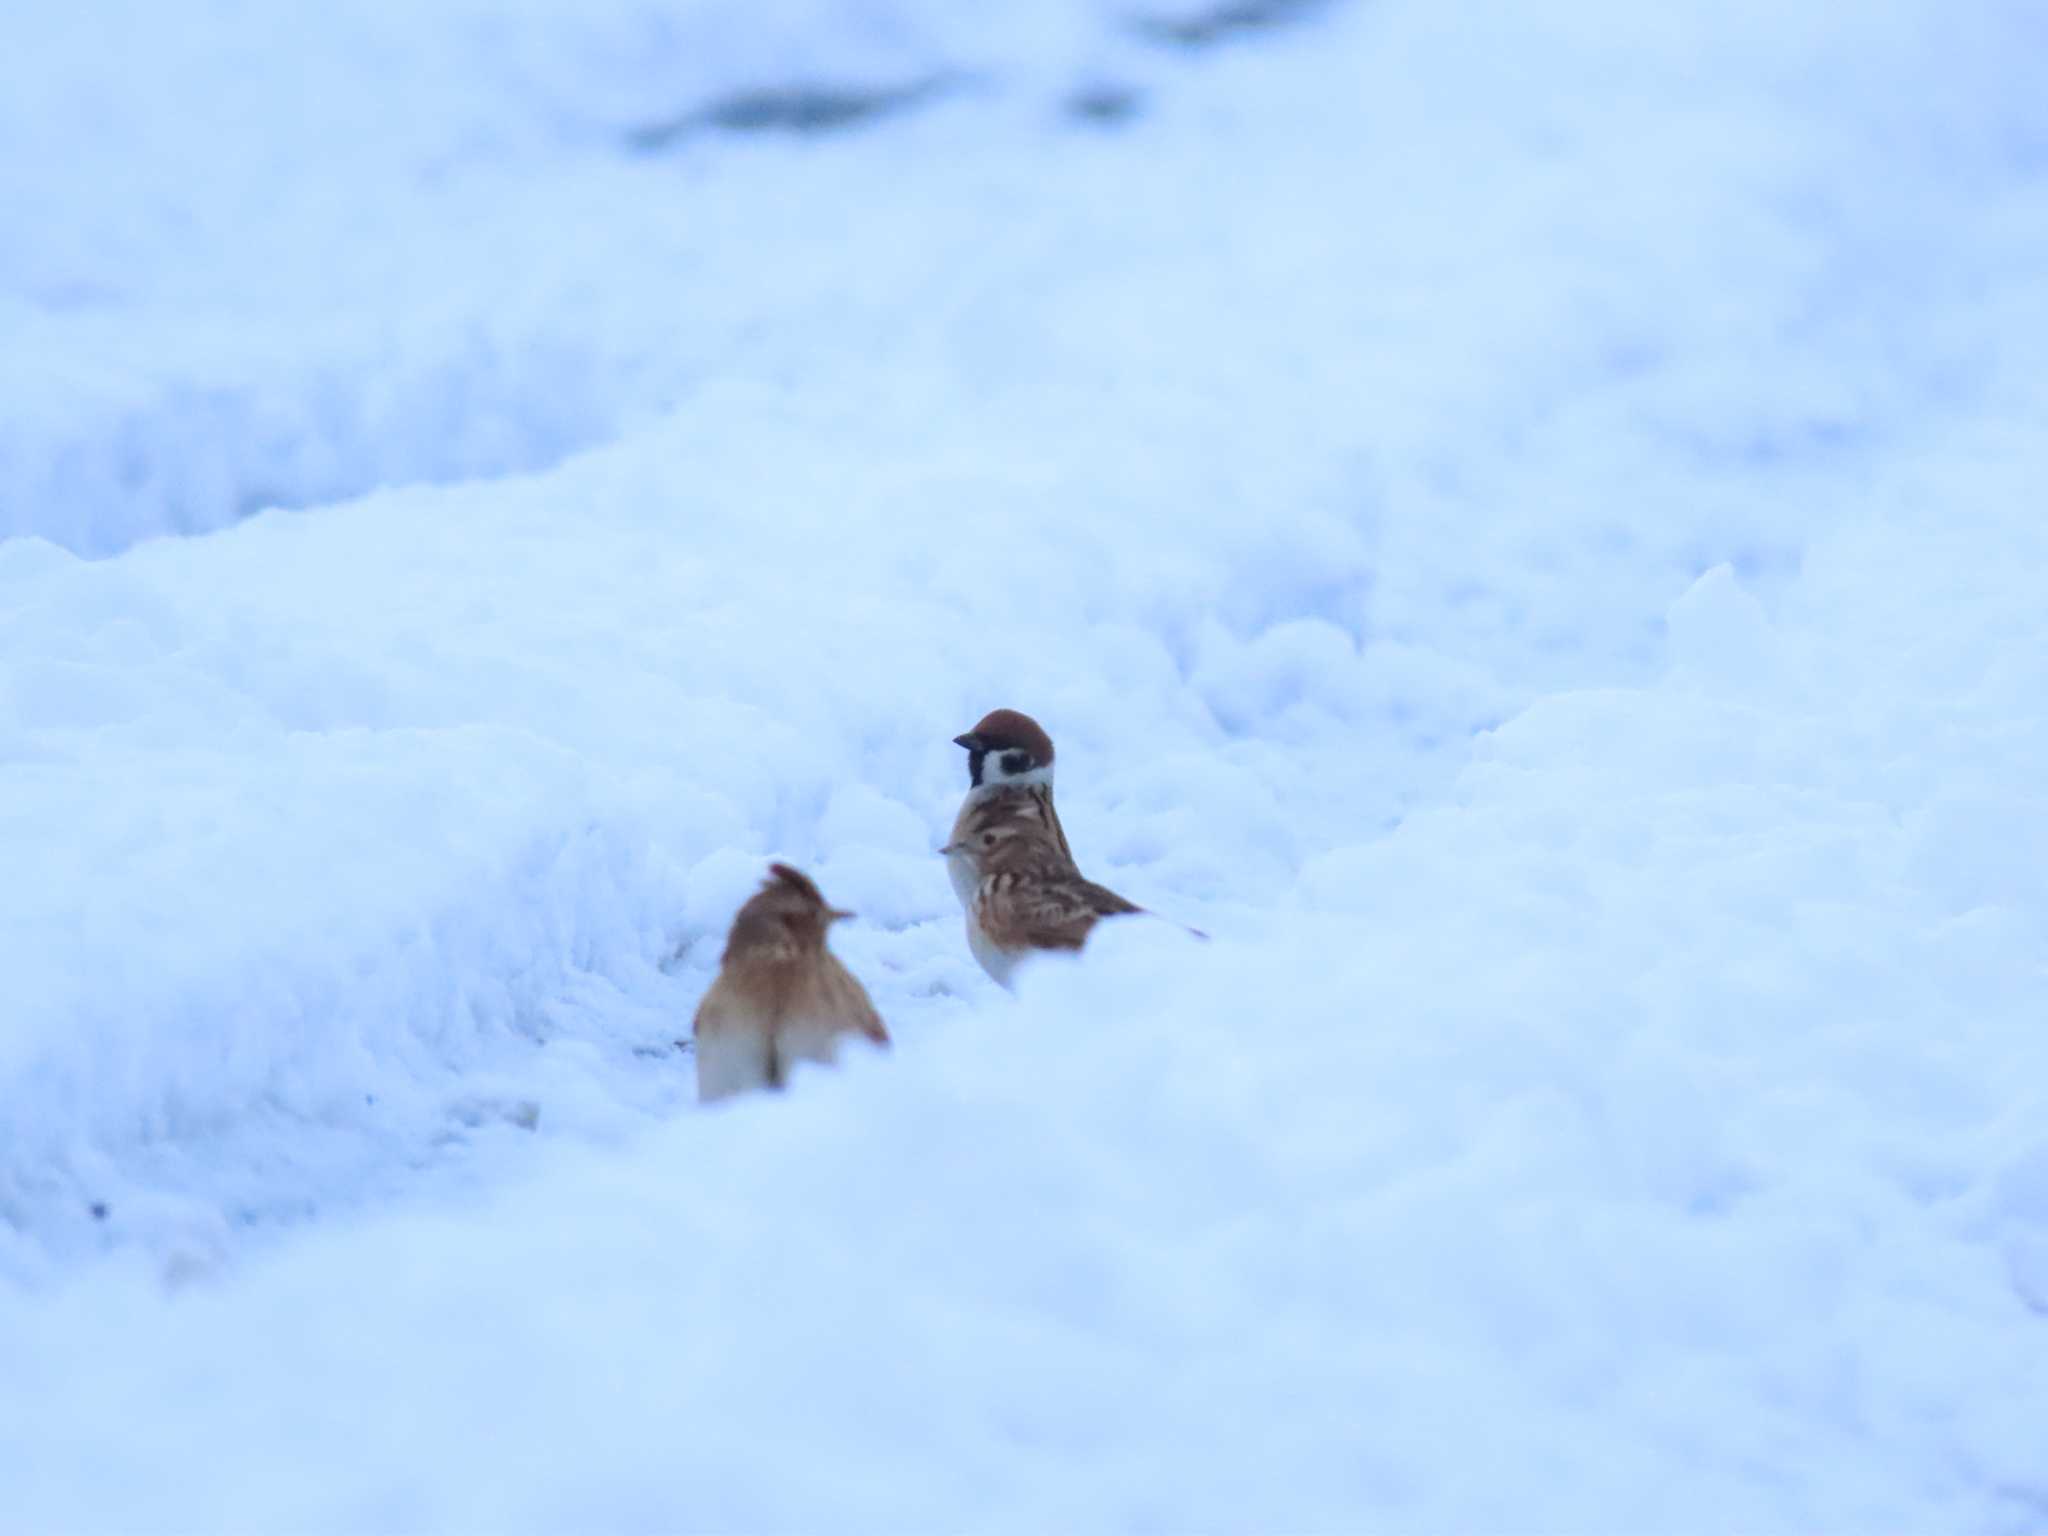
[1009, 859]
[781, 996]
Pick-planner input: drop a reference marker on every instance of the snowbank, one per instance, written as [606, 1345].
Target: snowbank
[1646, 1137]
[1523, 529]
[264, 257]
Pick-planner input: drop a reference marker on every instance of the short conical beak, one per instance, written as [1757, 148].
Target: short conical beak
[968, 740]
[837, 914]
[949, 850]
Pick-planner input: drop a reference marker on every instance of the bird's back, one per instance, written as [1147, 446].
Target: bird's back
[763, 1014]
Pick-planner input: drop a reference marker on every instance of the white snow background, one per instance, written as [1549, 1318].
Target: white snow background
[1526, 523]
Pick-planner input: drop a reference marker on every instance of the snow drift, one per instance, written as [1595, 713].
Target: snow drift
[1521, 526]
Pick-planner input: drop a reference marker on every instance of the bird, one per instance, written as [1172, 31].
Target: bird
[1008, 858]
[781, 995]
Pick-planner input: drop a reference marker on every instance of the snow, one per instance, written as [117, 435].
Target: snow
[1523, 528]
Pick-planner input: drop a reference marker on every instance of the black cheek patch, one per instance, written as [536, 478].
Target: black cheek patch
[1015, 763]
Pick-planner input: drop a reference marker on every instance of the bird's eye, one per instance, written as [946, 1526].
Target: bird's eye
[988, 839]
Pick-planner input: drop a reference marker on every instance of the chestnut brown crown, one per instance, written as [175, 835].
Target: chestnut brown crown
[1008, 739]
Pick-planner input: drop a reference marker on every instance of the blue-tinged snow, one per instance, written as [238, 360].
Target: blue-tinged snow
[1525, 528]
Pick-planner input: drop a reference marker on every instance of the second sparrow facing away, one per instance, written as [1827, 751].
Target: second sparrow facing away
[1009, 859]
[781, 996]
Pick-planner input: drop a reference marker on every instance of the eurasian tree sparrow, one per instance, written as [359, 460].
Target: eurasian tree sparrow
[1008, 857]
[781, 996]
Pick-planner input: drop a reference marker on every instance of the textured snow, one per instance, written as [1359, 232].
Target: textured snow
[1525, 528]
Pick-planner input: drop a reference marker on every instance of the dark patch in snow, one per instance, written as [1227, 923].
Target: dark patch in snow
[678, 956]
[1105, 106]
[805, 110]
[1228, 22]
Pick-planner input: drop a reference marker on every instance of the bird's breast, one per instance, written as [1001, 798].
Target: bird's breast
[966, 879]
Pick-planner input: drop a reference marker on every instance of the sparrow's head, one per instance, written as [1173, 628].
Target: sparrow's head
[1007, 748]
[786, 914]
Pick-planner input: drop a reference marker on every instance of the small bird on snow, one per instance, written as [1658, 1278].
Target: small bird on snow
[781, 996]
[1009, 859]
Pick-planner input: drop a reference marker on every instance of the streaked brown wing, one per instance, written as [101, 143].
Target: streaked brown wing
[1045, 914]
[1107, 902]
[852, 1003]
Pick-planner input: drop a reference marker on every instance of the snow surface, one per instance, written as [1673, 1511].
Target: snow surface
[1525, 527]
